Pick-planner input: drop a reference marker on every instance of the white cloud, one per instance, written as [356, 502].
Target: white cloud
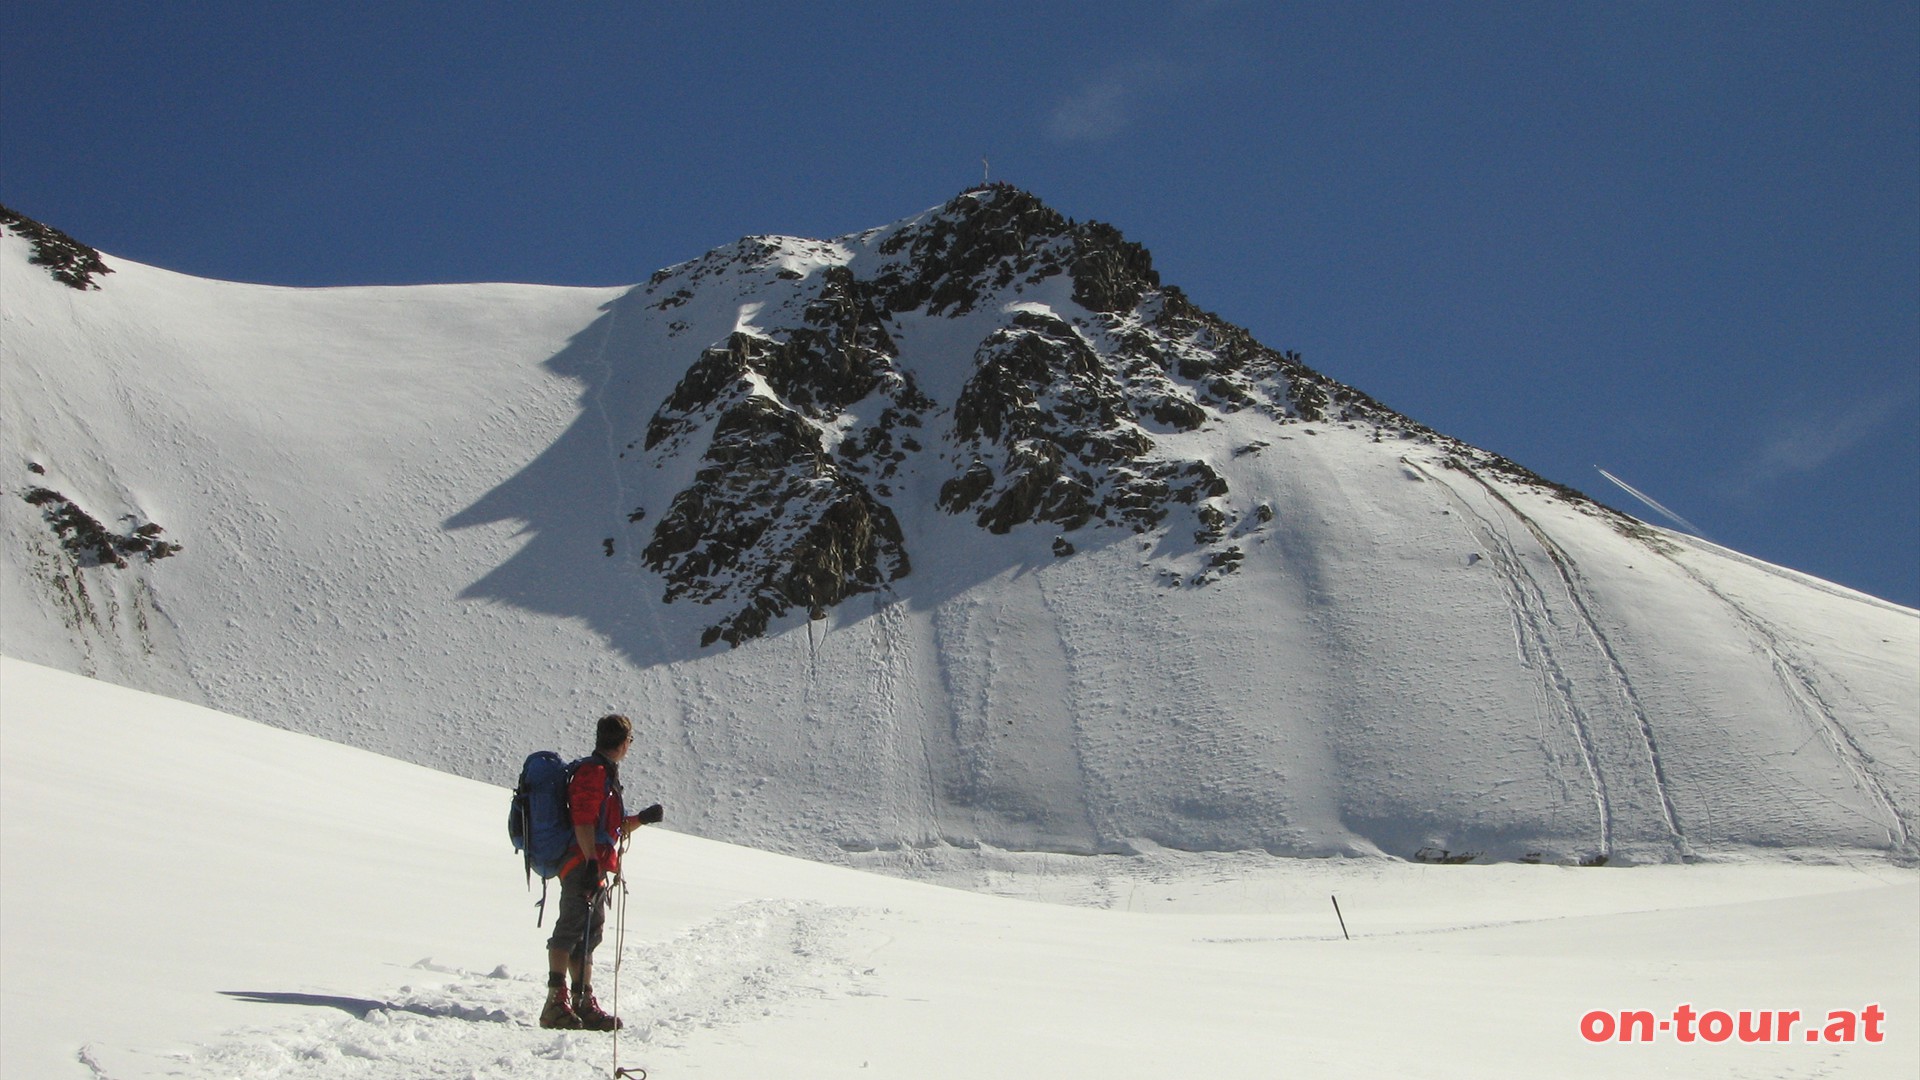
[1096, 112]
[1809, 443]
[1107, 104]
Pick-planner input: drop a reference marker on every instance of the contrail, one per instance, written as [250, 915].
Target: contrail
[1675, 518]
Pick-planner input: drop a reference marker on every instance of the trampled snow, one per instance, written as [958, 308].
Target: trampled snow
[188, 894]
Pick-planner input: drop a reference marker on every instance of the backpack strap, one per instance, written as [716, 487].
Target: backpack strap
[610, 773]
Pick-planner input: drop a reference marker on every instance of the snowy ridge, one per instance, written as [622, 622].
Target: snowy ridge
[963, 531]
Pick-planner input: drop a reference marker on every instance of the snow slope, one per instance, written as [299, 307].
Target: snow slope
[187, 894]
[407, 519]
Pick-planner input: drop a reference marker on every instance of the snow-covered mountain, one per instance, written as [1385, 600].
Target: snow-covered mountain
[965, 530]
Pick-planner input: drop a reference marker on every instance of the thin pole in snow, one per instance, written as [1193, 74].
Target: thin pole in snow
[1342, 918]
[619, 954]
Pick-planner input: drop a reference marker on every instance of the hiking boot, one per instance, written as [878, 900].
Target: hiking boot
[591, 1015]
[559, 1014]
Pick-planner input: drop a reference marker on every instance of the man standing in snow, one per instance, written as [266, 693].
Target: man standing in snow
[600, 822]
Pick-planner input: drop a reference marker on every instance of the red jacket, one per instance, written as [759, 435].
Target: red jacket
[595, 801]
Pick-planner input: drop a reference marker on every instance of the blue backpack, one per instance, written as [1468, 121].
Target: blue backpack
[540, 825]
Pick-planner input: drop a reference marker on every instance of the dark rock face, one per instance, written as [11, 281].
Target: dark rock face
[837, 356]
[68, 260]
[972, 247]
[775, 518]
[91, 543]
[1055, 423]
[1109, 274]
[771, 523]
[1050, 435]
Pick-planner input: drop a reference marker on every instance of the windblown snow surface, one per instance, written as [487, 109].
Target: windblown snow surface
[192, 895]
[412, 521]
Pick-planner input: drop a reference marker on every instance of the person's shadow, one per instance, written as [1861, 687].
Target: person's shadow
[361, 1008]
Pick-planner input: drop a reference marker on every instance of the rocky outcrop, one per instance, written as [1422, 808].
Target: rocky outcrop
[974, 246]
[770, 523]
[1049, 434]
[68, 260]
[778, 516]
[92, 544]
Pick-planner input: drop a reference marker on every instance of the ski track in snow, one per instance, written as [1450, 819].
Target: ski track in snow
[891, 667]
[1579, 595]
[746, 964]
[1785, 573]
[1798, 682]
[1532, 623]
[1076, 750]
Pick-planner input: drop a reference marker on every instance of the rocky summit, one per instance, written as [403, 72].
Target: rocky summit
[1076, 361]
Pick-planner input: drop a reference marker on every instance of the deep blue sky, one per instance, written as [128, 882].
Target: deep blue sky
[1677, 241]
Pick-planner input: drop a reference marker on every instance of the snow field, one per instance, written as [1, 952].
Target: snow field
[188, 894]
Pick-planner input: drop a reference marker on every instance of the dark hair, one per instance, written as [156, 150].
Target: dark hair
[614, 729]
